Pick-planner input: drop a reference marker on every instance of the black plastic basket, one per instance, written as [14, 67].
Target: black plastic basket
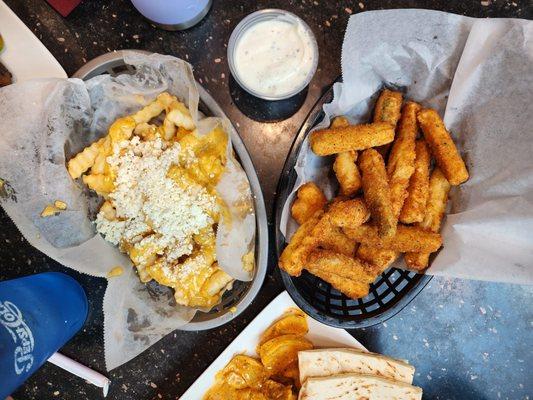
[389, 294]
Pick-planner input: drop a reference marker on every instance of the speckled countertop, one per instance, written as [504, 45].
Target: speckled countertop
[467, 339]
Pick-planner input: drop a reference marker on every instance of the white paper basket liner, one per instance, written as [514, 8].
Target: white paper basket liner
[47, 121]
[478, 73]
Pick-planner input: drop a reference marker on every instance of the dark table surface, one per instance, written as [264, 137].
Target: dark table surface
[467, 339]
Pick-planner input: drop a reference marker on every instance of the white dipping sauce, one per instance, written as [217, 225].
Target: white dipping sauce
[274, 57]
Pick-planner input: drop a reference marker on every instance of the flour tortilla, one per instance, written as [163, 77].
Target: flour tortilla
[357, 387]
[322, 362]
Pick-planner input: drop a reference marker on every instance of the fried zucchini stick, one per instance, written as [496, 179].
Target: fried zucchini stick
[439, 188]
[329, 141]
[317, 231]
[387, 109]
[406, 239]
[442, 147]
[345, 167]
[348, 213]
[346, 274]
[294, 256]
[414, 205]
[339, 121]
[376, 192]
[401, 163]
[347, 173]
[330, 237]
[379, 259]
[309, 199]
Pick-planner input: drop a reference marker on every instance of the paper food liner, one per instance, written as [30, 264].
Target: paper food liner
[478, 73]
[45, 122]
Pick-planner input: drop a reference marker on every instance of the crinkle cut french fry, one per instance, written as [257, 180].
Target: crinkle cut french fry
[401, 162]
[216, 282]
[353, 137]
[387, 109]
[348, 213]
[101, 184]
[122, 129]
[153, 109]
[377, 193]
[104, 150]
[180, 115]
[169, 129]
[294, 256]
[309, 199]
[414, 205]
[439, 188]
[146, 131]
[346, 274]
[379, 259]
[442, 147]
[108, 211]
[84, 160]
[406, 239]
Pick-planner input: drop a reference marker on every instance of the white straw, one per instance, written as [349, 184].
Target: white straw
[80, 370]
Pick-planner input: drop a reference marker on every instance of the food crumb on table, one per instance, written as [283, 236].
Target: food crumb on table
[115, 271]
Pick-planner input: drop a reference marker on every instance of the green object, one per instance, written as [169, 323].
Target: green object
[1, 43]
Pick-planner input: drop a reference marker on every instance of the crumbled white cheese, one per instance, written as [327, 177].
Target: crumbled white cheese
[111, 230]
[152, 210]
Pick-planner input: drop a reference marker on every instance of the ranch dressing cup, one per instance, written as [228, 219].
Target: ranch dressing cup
[272, 54]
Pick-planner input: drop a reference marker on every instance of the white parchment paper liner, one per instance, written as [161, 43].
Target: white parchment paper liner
[478, 73]
[46, 121]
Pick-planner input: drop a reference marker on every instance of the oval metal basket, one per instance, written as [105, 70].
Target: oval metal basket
[389, 294]
[237, 299]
